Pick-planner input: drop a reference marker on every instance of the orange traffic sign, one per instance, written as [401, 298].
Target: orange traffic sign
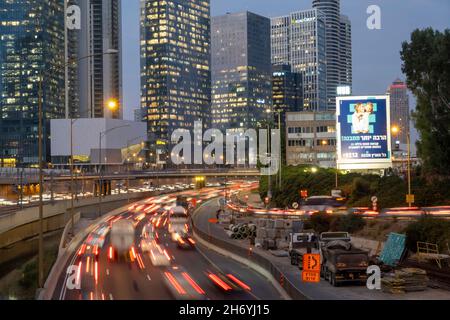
[308, 276]
[410, 198]
[311, 262]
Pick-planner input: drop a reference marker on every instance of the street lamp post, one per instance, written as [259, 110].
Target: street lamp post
[72, 121]
[40, 161]
[397, 130]
[408, 141]
[280, 156]
[269, 189]
[41, 202]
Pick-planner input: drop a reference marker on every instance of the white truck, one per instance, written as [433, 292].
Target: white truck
[122, 238]
[178, 222]
[300, 244]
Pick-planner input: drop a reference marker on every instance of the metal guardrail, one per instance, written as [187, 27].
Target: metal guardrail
[255, 257]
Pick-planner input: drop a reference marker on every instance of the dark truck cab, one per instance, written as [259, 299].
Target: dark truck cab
[301, 244]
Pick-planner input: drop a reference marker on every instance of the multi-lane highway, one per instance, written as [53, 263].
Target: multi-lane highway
[195, 273]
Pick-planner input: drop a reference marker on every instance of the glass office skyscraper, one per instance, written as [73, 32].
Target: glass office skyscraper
[175, 66]
[241, 70]
[287, 89]
[400, 113]
[31, 40]
[96, 80]
[346, 53]
[299, 39]
[338, 48]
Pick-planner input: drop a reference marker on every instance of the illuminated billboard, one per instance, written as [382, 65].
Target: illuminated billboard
[363, 133]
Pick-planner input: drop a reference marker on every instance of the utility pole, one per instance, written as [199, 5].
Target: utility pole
[100, 184]
[41, 183]
[128, 172]
[408, 137]
[269, 190]
[21, 188]
[397, 130]
[71, 179]
[52, 196]
[40, 154]
[281, 152]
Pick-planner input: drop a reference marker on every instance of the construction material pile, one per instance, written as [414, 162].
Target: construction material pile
[242, 231]
[274, 234]
[405, 280]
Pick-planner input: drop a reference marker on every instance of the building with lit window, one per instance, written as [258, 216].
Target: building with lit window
[175, 67]
[299, 39]
[241, 70]
[345, 53]
[287, 89]
[31, 40]
[95, 81]
[311, 138]
[338, 48]
[400, 114]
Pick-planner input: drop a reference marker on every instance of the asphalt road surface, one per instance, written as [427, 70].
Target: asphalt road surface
[191, 270]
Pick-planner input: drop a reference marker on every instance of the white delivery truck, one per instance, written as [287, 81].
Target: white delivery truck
[122, 238]
[178, 222]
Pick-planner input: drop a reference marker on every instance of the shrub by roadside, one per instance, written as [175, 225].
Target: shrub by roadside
[323, 222]
[359, 188]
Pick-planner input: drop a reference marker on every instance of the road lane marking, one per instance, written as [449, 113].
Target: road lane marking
[62, 296]
[148, 277]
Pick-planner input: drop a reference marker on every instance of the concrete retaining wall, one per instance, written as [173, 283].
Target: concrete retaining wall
[66, 253]
[67, 229]
[22, 225]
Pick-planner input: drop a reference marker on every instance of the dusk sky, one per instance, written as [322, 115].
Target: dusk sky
[376, 58]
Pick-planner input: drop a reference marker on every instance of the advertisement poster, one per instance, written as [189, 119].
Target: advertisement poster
[363, 133]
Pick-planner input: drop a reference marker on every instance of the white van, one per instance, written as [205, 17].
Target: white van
[178, 220]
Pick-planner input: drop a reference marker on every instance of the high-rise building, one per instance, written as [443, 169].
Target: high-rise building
[346, 53]
[31, 48]
[400, 113]
[338, 48]
[98, 79]
[241, 70]
[299, 39]
[287, 89]
[175, 66]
